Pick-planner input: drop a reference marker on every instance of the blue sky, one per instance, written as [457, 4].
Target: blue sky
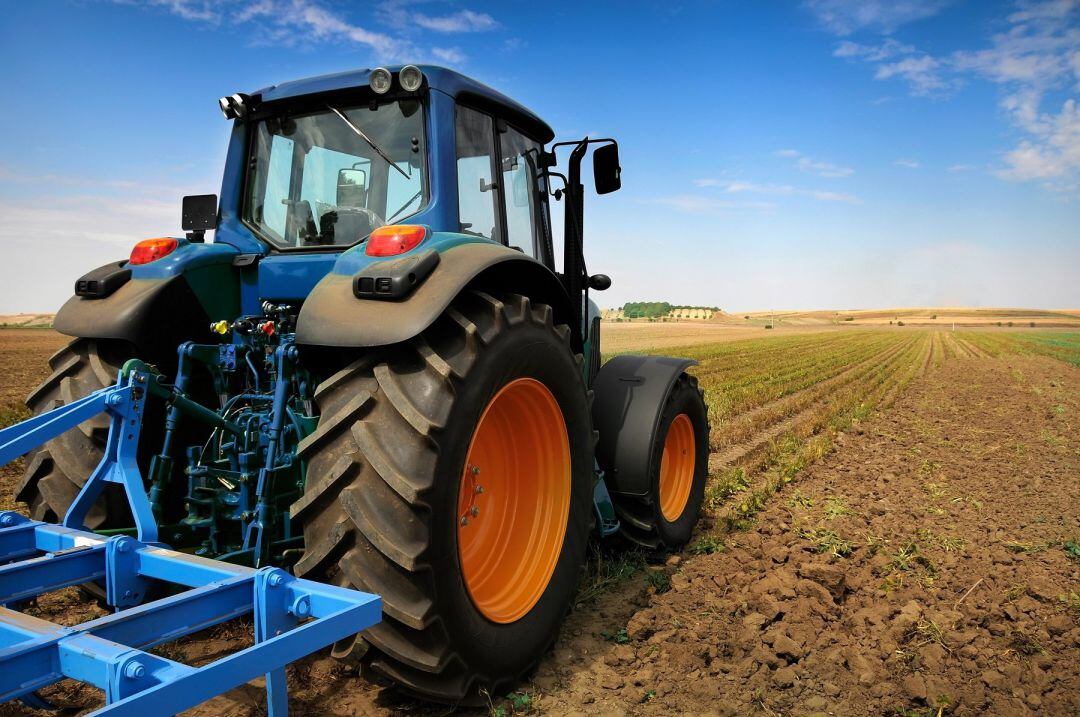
[776, 155]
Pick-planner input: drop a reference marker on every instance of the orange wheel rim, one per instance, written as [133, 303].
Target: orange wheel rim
[677, 468]
[514, 500]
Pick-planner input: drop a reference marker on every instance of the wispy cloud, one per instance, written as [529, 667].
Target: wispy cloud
[1036, 56]
[296, 22]
[698, 204]
[813, 166]
[462, 21]
[924, 74]
[959, 168]
[844, 17]
[729, 186]
[907, 163]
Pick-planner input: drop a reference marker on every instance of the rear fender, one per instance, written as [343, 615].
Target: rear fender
[165, 302]
[630, 394]
[333, 316]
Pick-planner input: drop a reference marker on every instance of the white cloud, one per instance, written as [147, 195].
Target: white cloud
[463, 21]
[298, 22]
[844, 17]
[958, 168]
[907, 163]
[697, 204]
[813, 166]
[1035, 57]
[729, 186]
[925, 75]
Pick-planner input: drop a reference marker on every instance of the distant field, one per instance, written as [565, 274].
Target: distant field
[621, 337]
[26, 321]
[945, 316]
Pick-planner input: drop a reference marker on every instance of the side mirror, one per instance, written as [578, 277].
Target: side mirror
[198, 213]
[599, 282]
[351, 187]
[606, 169]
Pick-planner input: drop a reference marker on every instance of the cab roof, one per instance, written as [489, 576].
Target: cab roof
[447, 81]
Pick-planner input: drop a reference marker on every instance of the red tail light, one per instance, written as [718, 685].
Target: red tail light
[149, 250]
[395, 239]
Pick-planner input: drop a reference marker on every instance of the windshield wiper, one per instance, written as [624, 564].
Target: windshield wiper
[370, 142]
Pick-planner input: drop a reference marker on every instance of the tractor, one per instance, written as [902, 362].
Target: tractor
[376, 377]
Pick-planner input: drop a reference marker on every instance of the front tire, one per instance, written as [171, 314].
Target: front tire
[474, 583]
[664, 518]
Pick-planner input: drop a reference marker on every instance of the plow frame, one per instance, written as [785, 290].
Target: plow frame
[292, 617]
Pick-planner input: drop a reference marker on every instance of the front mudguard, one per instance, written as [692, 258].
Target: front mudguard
[630, 395]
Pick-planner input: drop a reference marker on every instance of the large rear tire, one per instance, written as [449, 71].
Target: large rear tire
[452, 475]
[664, 518]
[57, 471]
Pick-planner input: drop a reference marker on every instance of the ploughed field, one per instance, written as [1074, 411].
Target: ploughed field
[891, 527]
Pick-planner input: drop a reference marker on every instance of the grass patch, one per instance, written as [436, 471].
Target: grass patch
[709, 544]
[604, 572]
[827, 541]
[10, 415]
[836, 508]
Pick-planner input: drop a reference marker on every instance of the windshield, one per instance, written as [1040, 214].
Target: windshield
[330, 178]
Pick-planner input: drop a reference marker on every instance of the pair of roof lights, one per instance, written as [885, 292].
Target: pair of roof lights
[410, 77]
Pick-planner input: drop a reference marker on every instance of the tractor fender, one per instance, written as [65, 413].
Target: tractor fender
[630, 394]
[332, 315]
[163, 304]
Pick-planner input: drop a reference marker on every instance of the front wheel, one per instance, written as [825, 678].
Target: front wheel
[665, 517]
[453, 476]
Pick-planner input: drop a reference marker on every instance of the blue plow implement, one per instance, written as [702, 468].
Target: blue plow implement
[292, 617]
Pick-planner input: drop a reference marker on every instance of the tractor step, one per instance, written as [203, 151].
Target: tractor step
[292, 618]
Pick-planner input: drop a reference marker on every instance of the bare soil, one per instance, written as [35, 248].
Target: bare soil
[958, 594]
[927, 566]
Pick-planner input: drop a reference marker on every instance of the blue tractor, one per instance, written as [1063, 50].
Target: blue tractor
[375, 376]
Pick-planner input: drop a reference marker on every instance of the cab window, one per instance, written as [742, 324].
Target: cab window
[522, 189]
[475, 142]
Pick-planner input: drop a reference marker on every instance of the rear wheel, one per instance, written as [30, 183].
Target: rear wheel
[57, 471]
[452, 475]
[665, 517]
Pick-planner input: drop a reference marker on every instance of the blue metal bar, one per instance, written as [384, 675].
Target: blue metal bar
[52, 571]
[31, 433]
[120, 462]
[293, 618]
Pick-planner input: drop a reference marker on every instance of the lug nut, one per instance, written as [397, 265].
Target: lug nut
[134, 670]
[475, 511]
[479, 489]
[464, 520]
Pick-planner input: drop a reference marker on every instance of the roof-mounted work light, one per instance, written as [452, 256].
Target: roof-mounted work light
[234, 106]
[380, 80]
[410, 78]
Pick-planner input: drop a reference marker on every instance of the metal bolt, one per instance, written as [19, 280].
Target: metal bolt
[475, 511]
[115, 399]
[479, 489]
[134, 670]
[476, 470]
[301, 607]
[464, 520]
[7, 519]
[123, 546]
[276, 579]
